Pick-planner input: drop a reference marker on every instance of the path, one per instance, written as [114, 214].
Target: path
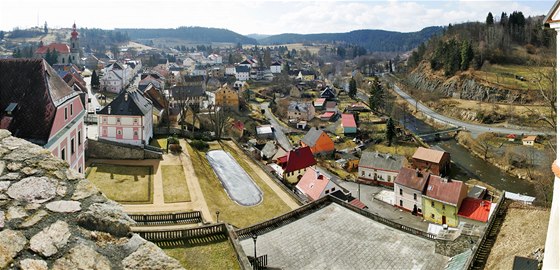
[278, 128]
[158, 205]
[265, 177]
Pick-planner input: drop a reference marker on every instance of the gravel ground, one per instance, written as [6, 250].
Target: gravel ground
[237, 183]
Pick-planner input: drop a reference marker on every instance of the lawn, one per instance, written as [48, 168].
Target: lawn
[123, 183]
[406, 149]
[220, 255]
[217, 198]
[175, 187]
[159, 142]
[504, 75]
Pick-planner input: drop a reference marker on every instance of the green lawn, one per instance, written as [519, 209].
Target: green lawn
[505, 75]
[217, 198]
[175, 188]
[220, 255]
[406, 149]
[123, 183]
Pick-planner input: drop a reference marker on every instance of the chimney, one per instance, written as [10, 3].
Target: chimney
[109, 109]
[418, 173]
[125, 96]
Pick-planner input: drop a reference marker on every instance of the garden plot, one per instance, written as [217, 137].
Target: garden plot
[237, 183]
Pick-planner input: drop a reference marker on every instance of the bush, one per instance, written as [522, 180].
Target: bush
[200, 145]
[175, 148]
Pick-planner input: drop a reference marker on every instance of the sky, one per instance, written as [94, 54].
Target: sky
[262, 17]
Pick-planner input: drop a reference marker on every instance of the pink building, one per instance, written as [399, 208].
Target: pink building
[127, 119]
[38, 106]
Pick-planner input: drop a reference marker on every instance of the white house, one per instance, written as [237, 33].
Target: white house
[230, 70]
[379, 168]
[242, 73]
[409, 187]
[214, 59]
[276, 67]
[315, 185]
[127, 119]
[117, 76]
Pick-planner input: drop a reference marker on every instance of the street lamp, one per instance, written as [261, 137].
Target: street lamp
[255, 265]
[217, 216]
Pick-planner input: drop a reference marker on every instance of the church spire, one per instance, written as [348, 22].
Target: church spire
[74, 32]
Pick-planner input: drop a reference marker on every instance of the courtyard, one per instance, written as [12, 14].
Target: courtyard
[125, 184]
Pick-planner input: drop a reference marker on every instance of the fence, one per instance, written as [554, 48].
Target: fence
[202, 234]
[171, 218]
[477, 255]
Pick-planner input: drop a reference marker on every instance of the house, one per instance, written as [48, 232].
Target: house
[301, 124]
[301, 111]
[230, 70]
[318, 141]
[442, 200]
[349, 124]
[117, 77]
[435, 161]
[327, 116]
[265, 132]
[409, 187]
[475, 209]
[214, 59]
[349, 161]
[187, 95]
[357, 107]
[511, 137]
[226, 97]
[306, 75]
[276, 67]
[246, 63]
[66, 53]
[160, 103]
[328, 93]
[529, 140]
[295, 162]
[319, 103]
[379, 168]
[242, 73]
[330, 106]
[269, 150]
[127, 119]
[38, 106]
[315, 185]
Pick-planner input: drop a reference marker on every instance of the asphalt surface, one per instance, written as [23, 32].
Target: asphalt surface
[279, 130]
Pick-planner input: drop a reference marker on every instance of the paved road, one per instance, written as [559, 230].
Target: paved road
[475, 129]
[279, 129]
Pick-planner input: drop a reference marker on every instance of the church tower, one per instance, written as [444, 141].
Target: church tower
[75, 47]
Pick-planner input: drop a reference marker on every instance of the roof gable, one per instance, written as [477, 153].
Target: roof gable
[129, 102]
[445, 190]
[553, 14]
[381, 161]
[413, 179]
[299, 158]
[313, 183]
[312, 136]
[427, 154]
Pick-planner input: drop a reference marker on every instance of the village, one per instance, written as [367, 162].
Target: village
[245, 136]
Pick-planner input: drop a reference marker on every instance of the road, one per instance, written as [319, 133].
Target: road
[278, 128]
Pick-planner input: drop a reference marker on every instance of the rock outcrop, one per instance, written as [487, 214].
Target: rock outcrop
[53, 218]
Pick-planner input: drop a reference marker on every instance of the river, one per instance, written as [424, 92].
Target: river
[467, 166]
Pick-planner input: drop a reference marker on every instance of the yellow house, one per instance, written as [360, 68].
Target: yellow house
[227, 97]
[442, 200]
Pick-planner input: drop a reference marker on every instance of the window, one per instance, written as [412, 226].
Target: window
[443, 206]
[433, 216]
[327, 191]
[65, 113]
[63, 154]
[119, 132]
[433, 204]
[71, 109]
[105, 120]
[135, 120]
[80, 169]
[415, 196]
[118, 120]
[79, 137]
[400, 191]
[332, 189]
[363, 173]
[72, 147]
[400, 203]
[135, 133]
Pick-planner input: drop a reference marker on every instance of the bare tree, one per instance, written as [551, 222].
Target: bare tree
[484, 143]
[219, 116]
[545, 78]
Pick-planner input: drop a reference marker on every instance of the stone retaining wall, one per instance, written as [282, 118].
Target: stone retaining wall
[104, 149]
[53, 218]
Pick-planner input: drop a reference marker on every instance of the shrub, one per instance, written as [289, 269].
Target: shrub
[175, 148]
[200, 145]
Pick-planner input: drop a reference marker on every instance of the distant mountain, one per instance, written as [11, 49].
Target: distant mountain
[373, 40]
[194, 34]
[257, 36]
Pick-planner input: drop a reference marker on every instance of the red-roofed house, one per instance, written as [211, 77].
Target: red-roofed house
[475, 209]
[315, 185]
[443, 199]
[67, 53]
[295, 162]
[435, 161]
[349, 124]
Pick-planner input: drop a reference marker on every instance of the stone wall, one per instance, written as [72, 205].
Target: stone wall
[104, 149]
[53, 218]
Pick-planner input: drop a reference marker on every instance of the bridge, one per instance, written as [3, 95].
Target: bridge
[439, 132]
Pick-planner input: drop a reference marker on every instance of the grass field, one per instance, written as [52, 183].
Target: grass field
[217, 198]
[406, 149]
[218, 255]
[123, 183]
[504, 75]
[159, 142]
[175, 188]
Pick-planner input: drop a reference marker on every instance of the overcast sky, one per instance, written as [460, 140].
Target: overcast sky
[263, 17]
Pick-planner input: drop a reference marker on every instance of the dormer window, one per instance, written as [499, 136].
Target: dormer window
[11, 108]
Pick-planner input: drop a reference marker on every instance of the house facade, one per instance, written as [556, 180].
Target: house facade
[38, 106]
[242, 73]
[434, 161]
[227, 97]
[379, 168]
[127, 119]
[318, 141]
[295, 162]
[443, 199]
[409, 188]
[301, 111]
[349, 124]
[276, 68]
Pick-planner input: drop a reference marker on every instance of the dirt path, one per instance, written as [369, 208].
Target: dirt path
[271, 183]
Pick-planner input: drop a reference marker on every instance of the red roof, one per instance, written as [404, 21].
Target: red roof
[475, 209]
[297, 159]
[326, 115]
[59, 47]
[445, 190]
[511, 136]
[348, 120]
[313, 184]
[358, 203]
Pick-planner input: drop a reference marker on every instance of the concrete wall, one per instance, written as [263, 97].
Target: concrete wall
[111, 150]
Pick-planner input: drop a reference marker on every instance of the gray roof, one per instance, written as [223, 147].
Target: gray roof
[269, 149]
[381, 161]
[187, 91]
[302, 107]
[134, 104]
[312, 136]
[241, 69]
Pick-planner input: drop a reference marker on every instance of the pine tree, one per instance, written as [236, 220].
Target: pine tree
[46, 29]
[94, 80]
[390, 131]
[375, 97]
[490, 19]
[352, 89]
[467, 54]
